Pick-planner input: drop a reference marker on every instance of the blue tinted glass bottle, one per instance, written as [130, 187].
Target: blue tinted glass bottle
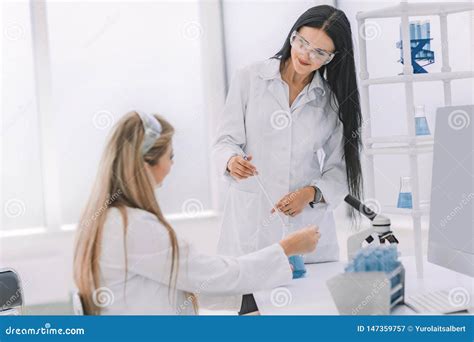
[421, 124]
[405, 198]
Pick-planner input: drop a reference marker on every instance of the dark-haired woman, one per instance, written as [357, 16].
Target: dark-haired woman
[293, 120]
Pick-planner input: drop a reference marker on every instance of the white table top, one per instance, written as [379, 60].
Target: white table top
[311, 296]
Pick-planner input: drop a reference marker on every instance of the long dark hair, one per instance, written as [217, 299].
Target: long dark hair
[341, 76]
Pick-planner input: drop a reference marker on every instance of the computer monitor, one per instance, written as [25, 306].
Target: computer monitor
[451, 232]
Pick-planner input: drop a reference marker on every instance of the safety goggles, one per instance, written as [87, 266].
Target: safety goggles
[301, 45]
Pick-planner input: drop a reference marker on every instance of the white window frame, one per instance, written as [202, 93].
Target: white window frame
[214, 92]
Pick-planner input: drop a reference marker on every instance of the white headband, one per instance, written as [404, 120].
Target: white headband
[152, 129]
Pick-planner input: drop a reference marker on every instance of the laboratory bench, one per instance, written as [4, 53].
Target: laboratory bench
[311, 296]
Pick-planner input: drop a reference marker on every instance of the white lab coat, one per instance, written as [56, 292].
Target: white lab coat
[144, 289]
[286, 145]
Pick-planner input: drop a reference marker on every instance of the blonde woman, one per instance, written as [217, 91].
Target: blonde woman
[129, 260]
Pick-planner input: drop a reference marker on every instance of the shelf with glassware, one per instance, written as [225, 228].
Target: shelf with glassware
[417, 9]
[435, 76]
[413, 38]
[418, 147]
[423, 209]
[404, 145]
[404, 202]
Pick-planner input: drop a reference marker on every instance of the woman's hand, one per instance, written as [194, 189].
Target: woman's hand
[293, 203]
[239, 168]
[302, 241]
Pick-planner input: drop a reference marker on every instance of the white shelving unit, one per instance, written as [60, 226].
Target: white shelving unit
[410, 145]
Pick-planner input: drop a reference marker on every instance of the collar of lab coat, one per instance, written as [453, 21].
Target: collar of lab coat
[271, 70]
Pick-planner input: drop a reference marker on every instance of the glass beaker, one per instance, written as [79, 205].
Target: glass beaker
[299, 269]
[405, 198]
[296, 261]
[421, 124]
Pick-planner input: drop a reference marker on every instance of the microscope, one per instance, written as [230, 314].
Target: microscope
[379, 233]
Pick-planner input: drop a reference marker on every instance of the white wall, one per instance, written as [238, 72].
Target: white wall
[22, 194]
[256, 30]
[106, 59]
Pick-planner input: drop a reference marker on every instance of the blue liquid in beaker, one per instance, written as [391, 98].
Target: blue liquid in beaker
[421, 126]
[299, 269]
[405, 200]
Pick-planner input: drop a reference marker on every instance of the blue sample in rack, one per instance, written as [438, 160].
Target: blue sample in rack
[420, 45]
